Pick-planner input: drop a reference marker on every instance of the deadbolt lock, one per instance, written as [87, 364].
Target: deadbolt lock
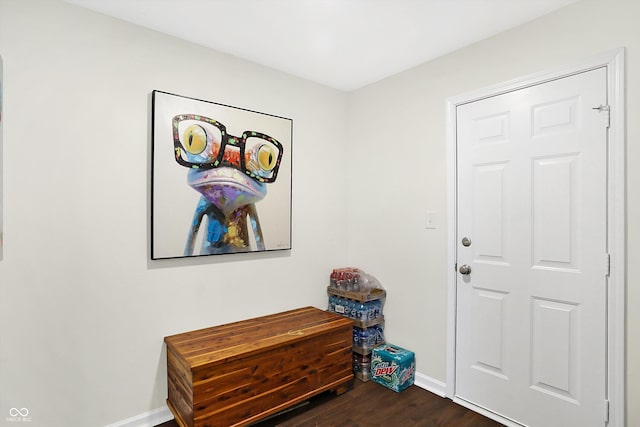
[466, 241]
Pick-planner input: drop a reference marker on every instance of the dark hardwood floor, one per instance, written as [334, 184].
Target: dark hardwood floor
[368, 404]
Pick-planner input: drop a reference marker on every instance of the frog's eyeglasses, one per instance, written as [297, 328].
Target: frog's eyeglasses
[200, 143]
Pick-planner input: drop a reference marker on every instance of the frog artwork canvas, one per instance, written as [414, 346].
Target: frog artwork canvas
[221, 179]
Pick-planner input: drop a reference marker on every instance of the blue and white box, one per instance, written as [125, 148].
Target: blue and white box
[393, 367]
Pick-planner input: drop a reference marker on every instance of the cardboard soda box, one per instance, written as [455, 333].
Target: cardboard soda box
[393, 367]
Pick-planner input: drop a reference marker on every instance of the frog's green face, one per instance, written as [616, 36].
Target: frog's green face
[228, 171]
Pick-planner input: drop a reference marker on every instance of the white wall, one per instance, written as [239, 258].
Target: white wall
[83, 312]
[1, 133]
[397, 130]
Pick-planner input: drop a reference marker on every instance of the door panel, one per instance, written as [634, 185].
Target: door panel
[555, 213]
[489, 312]
[531, 315]
[555, 333]
[488, 203]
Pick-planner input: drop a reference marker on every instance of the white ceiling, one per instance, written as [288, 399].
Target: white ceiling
[345, 44]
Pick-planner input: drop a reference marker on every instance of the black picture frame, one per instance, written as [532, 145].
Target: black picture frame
[221, 178]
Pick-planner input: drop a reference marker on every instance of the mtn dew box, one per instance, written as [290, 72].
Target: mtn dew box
[393, 367]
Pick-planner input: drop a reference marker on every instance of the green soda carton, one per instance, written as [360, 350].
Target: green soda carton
[393, 367]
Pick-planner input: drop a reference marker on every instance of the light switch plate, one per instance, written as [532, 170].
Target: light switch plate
[431, 220]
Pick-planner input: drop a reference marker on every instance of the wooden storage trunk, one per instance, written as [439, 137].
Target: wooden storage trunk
[239, 373]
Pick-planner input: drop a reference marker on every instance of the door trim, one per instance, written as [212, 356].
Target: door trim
[616, 226]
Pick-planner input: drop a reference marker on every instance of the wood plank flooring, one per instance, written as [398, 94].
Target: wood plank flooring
[368, 404]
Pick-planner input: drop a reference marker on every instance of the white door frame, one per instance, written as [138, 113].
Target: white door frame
[616, 226]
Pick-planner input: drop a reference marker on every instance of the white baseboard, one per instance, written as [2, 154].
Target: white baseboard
[162, 415]
[148, 419]
[431, 384]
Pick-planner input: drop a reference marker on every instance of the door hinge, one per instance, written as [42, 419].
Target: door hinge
[605, 109]
[607, 265]
[606, 411]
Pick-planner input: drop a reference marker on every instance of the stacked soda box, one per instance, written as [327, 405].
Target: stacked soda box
[393, 366]
[359, 296]
[362, 365]
[369, 330]
[367, 338]
[356, 310]
[347, 278]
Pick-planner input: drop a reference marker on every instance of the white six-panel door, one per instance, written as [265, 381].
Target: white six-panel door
[532, 201]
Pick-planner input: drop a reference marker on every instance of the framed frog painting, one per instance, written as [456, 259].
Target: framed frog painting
[220, 179]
